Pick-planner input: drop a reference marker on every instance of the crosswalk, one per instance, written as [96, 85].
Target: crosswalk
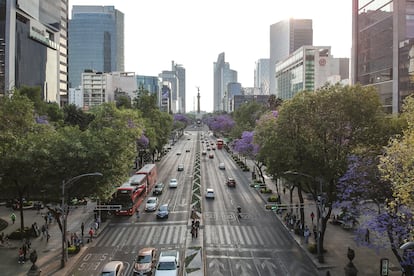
[249, 236]
[132, 235]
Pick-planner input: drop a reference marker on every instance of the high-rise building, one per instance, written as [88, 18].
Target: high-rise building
[261, 76]
[383, 49]
[96, 41]
[286, 37]
[149, 83]
[222, 76]
[33, 51]
[176, 79]
[309, 68]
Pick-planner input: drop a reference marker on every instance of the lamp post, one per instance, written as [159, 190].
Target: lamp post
[64, 211]
[320, 206]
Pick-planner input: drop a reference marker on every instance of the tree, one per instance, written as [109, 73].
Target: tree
[23, 148]
[74, 116]
[220, 124]
[316, 132]
[245, 118]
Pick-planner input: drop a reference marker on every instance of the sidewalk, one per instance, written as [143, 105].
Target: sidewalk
[49, 252]
[336, 242]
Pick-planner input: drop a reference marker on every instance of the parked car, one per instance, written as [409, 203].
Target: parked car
[163, 212]
[159, 187]
[231, 182]
[145, 261]
[168, 263]
[180, 167]
[209, 193]
[173, 183]
[152, 204]
[113, 268]
[221, 166]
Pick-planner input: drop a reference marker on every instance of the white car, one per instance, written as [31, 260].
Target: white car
[221, 166]
[209, 193]
[168, 263]
[152, 204]
[180, 167]
[113, 268]
[173, 183]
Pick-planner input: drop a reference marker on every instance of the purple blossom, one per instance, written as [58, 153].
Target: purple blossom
[182, 118]
[143, 141]
[220, 123]
[42, 120]
[245, 145]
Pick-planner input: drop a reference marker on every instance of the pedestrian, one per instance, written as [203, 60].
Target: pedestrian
[137, 213]
[312, 215]
[47, 235]
[367, 236]
[306, 234]
[90, 234]
[197, 224]
[24, 249]
[13, 217]
[82, 228]
[196, 232]
[315, 233]
[21, 256]
[192, 232]
[284, 190]
[45, 218]
[43, 231]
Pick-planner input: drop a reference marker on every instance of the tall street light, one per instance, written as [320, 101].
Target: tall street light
[64, 211]
[320, 207]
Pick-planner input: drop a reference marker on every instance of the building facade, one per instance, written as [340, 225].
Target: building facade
[149, 83]
[239, 100]
[176, 80]
[383, 49]
[261, 76]
[286, 37]
[33, 46]
[307, 69]
[96, 41]
[222, 76]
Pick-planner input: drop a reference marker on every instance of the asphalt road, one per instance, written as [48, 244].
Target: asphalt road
[255, 244]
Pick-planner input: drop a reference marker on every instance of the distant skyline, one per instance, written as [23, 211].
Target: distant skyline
[194, 33]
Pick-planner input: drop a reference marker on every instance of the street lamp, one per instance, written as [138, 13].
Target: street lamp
[320, 207]
[64, 211]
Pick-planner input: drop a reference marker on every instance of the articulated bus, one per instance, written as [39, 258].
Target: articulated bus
[150, 171]
[130, 195]
[219, 143]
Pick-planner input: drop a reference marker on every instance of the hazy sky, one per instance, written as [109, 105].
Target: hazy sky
[193, 33]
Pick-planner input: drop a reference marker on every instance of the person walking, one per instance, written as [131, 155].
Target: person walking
[13, 217]
[306, 234]
[312, 215]
[91, 234]
[82, 228]
[367, 236]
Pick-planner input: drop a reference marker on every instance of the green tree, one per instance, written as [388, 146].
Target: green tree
[246, 117]
[74, 116]
[23, 148]
[316, 132]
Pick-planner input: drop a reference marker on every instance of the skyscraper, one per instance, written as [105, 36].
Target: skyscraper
[286, 37]
[383, 49]
[176, 79]
[96, 41]
[261, 76]
[33, 39]
[222, 76]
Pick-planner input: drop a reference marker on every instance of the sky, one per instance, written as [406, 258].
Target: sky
[193, 33]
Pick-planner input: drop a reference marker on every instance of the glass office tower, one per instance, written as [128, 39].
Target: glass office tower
[383, 49]
[96, 41]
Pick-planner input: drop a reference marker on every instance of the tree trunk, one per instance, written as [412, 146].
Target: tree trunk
[21, 214]
[302, 210]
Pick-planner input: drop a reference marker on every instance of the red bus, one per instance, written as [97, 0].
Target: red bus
[130, 195]
[219, 143]
[150, 171]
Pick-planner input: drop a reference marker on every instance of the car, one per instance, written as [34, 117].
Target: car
[163, 211]
[231, 182]
[204, 152]
[213, 148]
[145, 261]
[209, 193]
[173, 183]
[221, 166]
[211, 156]
[168, 263]
[113, 268]
[178, 152]
[159, 187]
[187, 150]
[152, 204]
[180, 167]
[208, 149]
